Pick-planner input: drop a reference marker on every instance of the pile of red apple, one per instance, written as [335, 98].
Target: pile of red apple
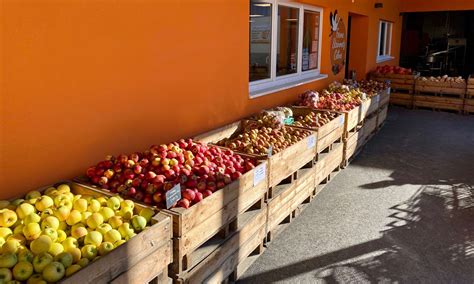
[257, 137]
[314, 119]
[200, 170]
[393, 70]
[336, 97]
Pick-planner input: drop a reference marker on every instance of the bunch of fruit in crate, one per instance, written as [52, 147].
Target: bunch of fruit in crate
[276, 117]
[199, 169]
[441, 79]
[257, 137]
[46, 237]
[337, 97]
[370, 87]
[314, 119]
[393, 70]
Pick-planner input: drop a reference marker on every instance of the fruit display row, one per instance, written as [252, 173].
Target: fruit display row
[48, 236]
[257, 136]
[276, 117]
[393, 70]
[440, 79]
[370, 87]
[198, 168]
[314, 119]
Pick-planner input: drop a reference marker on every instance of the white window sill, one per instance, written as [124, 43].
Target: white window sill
[276, 86]
[384, 58]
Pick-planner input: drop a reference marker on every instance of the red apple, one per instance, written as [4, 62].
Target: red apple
[198, 197]
[158, 197]
[189, 194]
[184, 203]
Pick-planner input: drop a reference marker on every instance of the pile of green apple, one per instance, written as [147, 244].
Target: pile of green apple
[46, 237]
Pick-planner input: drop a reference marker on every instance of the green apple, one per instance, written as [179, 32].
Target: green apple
[94, 206]
[50, 190]
[93, 238]
[32, 218]
[36, 279]
[5, 275]
[8, 260]
[7, 218]
[4, 204]
[5, 232]
[32, 231]
[54, 272]
[2, 241]
[89, 251]
[105, 248]
[76, 254]
[55, 249]
[73, 269]
[83, 262]
[95, 220]
[43, 203]
[24, 210]
[61, 236]
[63, 188]
[112, 236]
[74, 217]
[119, 243]
[104, 228]
[147, 213]
[63, 226]
[11, 246]
[50, 222]
[22, 270]
[116, 221]
[106, 212]
[33, 195]
[62, 212]
[47, 212]
[60, 198]
[17, 237]
[65, 258]
[79, 231]
[18, 229]
[102, 200]
[138, 223]
[25, 255]
[52, 233]
[85, 216]
[69, 242]
[41, 244]
[125, 230]
[17, 202]
[80, 205]
[113, 203]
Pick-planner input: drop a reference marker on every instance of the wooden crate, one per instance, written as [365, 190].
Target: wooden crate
[468, 106]
[402, 99]
[384, 98]
[470, 87]
[440, 88]
[397, 81]
[374, 104]
[280, 165]
[285, 201]
[438, 103]
[351, 119]
[327, 134]
[328, 162]
[370, 126]
[230, 258]
[382, 116]
[132, 256]
[353, 144]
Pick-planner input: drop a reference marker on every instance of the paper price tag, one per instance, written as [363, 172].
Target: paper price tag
[259, 173]
[269, 151]
[341, 120]
[173, 195]
[378, 99]
[311, 141]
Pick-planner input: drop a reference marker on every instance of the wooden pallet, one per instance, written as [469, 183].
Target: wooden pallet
[228, 259]
[468, 106]
[438, 103]
[402, 99]
[327, 134]
[384, 98]
[133, 256]
[327, 162]
[381, 117]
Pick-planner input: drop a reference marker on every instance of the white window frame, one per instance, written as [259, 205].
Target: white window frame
[274, 84]
[386, 56]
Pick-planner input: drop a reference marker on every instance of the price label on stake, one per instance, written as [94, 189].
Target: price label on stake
[311, 141]
[378, 99]
[259, 173]
[173, 195]
[269, 151]
[341, 120]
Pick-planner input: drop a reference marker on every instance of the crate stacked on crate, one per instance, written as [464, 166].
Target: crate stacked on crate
[469, 100]
[402, 83]
[440, 93]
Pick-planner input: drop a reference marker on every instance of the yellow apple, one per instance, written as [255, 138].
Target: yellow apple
[62, 212]
[2, 241]
[76, 254]
[5, 275]
[41, 244]
[10, 246]
[102, 200]
[105, 248]
[24, 210]
[72, 269]
[106, 212]
[5, 232]
[112, 236]
[85, 216]
[65, 258]
[94, 206]
[32, 231]
[50, 222]
[33, 195]
[138, 223]
[66, 203]
[49, 190]
[7, 218]
[104, 228]
[80, 205]
[113, 203]
[43, 203]
[25, 255]
[74, 218]
[89, 251]
[83, 262]
[119, 243]
[22, 270]
[126, 213]
[62, 226]
[63, 188]
[127, 204]
[36, 279]
[93, 238]
[78, 232]
[47, 212]
[115, 221]
[8, 260]
[18, 229]
[19, 237]
[56, 248]
[95, 220]
[61, 236]
[69, 242]
[40, 261]
[52, 233]
[147, 213]
[125, 230]
[4, 204]
[32, 218]
[54, 272]
[59, 199]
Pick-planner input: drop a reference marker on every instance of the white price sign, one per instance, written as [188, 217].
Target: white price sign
[311, 141]
[341, 120]
[259, 173]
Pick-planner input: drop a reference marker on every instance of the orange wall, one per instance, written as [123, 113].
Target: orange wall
[82, 79]
[437, 5]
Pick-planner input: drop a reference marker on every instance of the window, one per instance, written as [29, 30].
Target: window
[284, 45]
[385, 41]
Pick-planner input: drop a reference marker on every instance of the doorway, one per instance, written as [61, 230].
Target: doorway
[357, 40]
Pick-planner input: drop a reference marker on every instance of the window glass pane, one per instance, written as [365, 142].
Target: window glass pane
[310, 40]
[287, 48]
[382, 39]
[260, 40]
[388, 37]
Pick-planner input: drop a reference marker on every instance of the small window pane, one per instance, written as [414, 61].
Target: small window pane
[260, 40]
[388, 37]
[382, 39]
[287, 53]
[310, 40]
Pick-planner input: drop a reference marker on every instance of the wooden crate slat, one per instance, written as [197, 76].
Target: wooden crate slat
[370, 124]
[384, 97]
[382, 116]
[328, 162]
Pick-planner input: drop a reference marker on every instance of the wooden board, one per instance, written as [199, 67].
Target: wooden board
[351, 119]
[353, 143]
[370, 125]
[394, 78]
[448, 90]
[438, 102]
[384, 98]
[374, 104]
[364, 108]
[133, 254]
[401, 99]
[328, 162]
[469, 106]
[382, 116]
